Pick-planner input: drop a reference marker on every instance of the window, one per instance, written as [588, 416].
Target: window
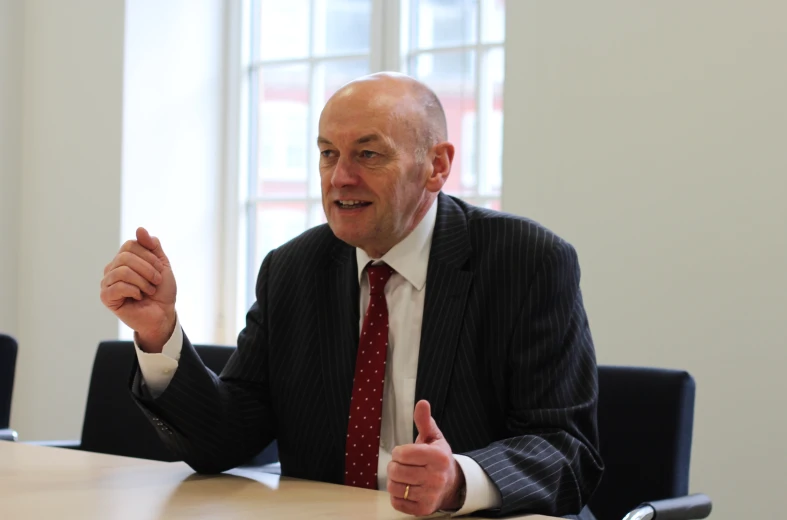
[456, 47]
[301, 51]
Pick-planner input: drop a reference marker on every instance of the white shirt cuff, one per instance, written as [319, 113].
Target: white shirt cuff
[481, 491]
[159, 369]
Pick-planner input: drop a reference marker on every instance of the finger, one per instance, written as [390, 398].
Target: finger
[139, 265]
[151, 243]
[125, 274]
[413, 475]
[398, 489]
[427, 427]
[420, 455]
[117, 293]
[132, 246]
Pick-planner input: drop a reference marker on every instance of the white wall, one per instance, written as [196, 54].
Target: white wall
[652, 136]
[69, 209]
[173, 139]
[11, 39]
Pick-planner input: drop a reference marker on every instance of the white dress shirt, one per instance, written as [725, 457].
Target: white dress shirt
[404, 294]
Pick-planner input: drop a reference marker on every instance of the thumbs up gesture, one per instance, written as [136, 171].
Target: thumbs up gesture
[424, 477]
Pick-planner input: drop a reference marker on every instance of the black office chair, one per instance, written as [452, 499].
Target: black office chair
[645, 421]
[113, 422]
[8, 350]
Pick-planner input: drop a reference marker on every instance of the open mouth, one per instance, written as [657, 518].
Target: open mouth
[351, 204]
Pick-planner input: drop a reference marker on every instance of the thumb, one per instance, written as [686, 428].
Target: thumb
[428, 431]
[150, 243]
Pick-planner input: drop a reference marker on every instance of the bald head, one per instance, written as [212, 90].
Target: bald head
[405, 99]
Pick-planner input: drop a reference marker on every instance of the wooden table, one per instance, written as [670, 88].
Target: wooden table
[42, 483]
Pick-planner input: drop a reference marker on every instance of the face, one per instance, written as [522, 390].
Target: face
[375, 188]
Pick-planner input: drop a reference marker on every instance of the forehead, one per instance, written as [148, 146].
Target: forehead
[350, 117]
[354, 124]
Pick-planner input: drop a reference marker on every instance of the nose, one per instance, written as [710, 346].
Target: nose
[344, 174]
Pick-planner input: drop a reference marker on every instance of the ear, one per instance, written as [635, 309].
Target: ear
[442, 156]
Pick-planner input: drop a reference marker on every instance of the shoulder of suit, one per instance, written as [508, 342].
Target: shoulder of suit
[313, 245]
[499, 230]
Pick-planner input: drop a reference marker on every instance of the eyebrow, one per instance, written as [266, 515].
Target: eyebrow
[361, 140]
[367, 139]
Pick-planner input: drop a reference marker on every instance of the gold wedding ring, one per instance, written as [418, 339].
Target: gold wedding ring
[406, 491]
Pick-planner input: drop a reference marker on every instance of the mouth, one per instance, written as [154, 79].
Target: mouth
[350, 204]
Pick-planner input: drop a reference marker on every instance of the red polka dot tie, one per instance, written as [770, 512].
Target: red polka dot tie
[366, 405]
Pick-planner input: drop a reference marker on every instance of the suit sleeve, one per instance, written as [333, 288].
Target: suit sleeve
[550, 464]
[215, 423]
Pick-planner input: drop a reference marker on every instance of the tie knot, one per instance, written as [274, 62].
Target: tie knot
[378, 277]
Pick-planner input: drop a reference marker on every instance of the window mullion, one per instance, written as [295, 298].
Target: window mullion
[251, 211]
[377, 37]
[480, 98]
[231, 189]
[448, 49]
[394, 32]
[297, 61]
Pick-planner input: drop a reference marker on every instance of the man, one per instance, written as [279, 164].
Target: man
[415, 344]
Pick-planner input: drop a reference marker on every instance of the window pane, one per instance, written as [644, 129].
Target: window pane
[277, 222]
[283, 116]
[317, 215]
[341, 26]
[443, 23]
[332, 75]
[452, 76]
[492, 136]
[493, 28]
[283, 29]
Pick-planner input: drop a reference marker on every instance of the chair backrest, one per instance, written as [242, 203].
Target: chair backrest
[113, 422]
[645, 421]
[8, 349]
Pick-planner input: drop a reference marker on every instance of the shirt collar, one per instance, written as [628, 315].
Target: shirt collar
[410, 257]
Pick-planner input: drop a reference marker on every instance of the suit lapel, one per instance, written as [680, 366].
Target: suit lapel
[447, 287]
[337, 290]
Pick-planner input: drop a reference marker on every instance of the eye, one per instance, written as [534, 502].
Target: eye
[368, 154]
[326, 153]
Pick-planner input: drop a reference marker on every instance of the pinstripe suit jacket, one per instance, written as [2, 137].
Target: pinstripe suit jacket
[506, 361]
